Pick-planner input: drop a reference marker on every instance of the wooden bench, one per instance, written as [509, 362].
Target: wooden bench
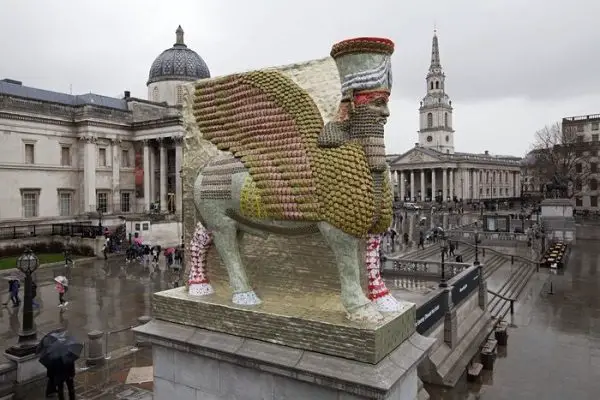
[474, 372]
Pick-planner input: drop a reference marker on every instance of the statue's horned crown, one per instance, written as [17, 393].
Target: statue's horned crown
[363, 45]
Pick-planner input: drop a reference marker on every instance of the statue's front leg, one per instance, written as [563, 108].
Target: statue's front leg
[379, 294]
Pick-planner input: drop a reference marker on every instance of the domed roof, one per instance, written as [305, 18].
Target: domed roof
[179, 63]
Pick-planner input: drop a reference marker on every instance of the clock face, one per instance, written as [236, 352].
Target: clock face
[429, 138]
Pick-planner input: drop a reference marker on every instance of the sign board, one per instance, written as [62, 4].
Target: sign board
[464, 286]
[429, 313]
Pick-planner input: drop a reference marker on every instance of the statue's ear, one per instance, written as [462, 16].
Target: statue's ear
[334, 134]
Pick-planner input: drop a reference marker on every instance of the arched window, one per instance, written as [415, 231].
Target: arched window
[437, 84]
[429, 120]
[593, 184]
[179, 94]
[155, 94]
[446, 120]
[431, 85]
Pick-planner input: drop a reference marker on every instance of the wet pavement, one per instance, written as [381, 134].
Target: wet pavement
[554, 344]
[103, 295]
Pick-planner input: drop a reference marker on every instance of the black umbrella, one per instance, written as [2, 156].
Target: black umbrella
[58, 348]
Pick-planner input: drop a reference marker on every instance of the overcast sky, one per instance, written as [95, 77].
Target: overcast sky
[512, 66]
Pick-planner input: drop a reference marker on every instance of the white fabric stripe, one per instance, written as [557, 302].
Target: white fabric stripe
[376, 76]
[365, 85]
[375, 71]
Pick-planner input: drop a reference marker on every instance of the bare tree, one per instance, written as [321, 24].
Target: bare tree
[558, 161]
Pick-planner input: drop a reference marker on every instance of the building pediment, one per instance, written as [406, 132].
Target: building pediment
[413, 156]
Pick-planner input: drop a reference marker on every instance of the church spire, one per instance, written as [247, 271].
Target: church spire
[435, 53]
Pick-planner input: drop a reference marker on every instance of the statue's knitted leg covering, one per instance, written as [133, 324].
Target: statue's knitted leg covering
[378, 292]
[199, 284]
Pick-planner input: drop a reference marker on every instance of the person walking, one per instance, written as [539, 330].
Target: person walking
[62, 289]
[13, 289]
[65, 375]
[451, 248]
[421, 241]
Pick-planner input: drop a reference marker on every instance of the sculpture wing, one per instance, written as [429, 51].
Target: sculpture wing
[269, 122]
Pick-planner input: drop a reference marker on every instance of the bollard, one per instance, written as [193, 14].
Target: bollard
[512, 260]
[501, 334]
[483, 252]
[95, 354]
[144, 319]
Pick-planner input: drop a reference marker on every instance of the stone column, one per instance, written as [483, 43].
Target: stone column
[89, 173]
[518, 184]
[412, 184]
[467, 185]
[433, 188]
[146, 176]
[476, 184]
[178, 164]
[422, 185]
[451, 194]
[163, 175]
[450, 321]
[152, 173]
[401, 185]
[116, 179]
[444, 185]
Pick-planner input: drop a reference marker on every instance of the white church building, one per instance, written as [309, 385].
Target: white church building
[432, 170]
[64, 157]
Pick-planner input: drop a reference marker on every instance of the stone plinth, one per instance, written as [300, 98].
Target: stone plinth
[312, 321]
[28, 368]
[193, 363]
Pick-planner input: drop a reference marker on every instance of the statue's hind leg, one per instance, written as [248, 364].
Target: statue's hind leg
[379, 294]
[225, 236]
[345, 248]
[199, 284]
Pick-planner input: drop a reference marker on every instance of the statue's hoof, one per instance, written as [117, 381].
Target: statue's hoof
[368, 313]
[387, 303]
[246, 298]
[200, 289]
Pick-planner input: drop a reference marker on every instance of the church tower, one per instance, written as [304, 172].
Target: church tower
[435, 113]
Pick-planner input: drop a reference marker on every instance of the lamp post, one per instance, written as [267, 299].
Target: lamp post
[476, 262]
[99, 210]
[444, 249]
[27, 263]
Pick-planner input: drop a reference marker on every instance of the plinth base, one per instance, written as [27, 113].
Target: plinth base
[196, 363]
[28, 367]
[307, 321]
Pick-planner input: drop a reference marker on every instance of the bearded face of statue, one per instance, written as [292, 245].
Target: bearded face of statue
[366, 126]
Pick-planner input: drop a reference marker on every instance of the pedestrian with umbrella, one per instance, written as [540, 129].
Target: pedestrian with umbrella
[58, 352]
[62, 286]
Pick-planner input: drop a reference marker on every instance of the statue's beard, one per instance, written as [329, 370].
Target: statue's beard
[367, 128]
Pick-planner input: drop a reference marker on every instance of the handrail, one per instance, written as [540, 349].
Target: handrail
[107, 335]
[522, 258]
[512, 301]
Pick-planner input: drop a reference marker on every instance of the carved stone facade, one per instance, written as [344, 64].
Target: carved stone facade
[433, 170]
[81, 158]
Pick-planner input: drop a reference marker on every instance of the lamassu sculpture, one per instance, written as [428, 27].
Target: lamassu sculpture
[282, 170]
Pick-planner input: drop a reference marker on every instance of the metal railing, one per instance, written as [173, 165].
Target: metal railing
[512, 301]
[82, 230]
[24, 231]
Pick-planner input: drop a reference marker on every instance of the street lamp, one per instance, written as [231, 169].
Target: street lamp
[27, 263]
[444, 249]
[99, 210]
[477, 241]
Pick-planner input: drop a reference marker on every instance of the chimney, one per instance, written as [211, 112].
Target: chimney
[127, 94]
[487, 153]
[417, 144]
[12, 81]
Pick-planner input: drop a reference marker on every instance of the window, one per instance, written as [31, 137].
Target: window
[593, 201]
[437, 84]
[430, 120]
[431, 85]
[125, 202]
[102, 157]
[578, 202]
[579, 128]
[446, 120]
[65, 156]
[578, 185]
[65, 201]
[102, 201]
[594, 137]
[155, 94]
[137, 226]
[29, 153]
[125, 158]
[29, 203]
[145, 226]
[594, 126]
[593, 184]
[179, 94]
[593, 167]
[578, 168]
[429, 138]
[447, 138]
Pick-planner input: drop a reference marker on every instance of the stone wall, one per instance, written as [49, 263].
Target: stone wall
[94, 245]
